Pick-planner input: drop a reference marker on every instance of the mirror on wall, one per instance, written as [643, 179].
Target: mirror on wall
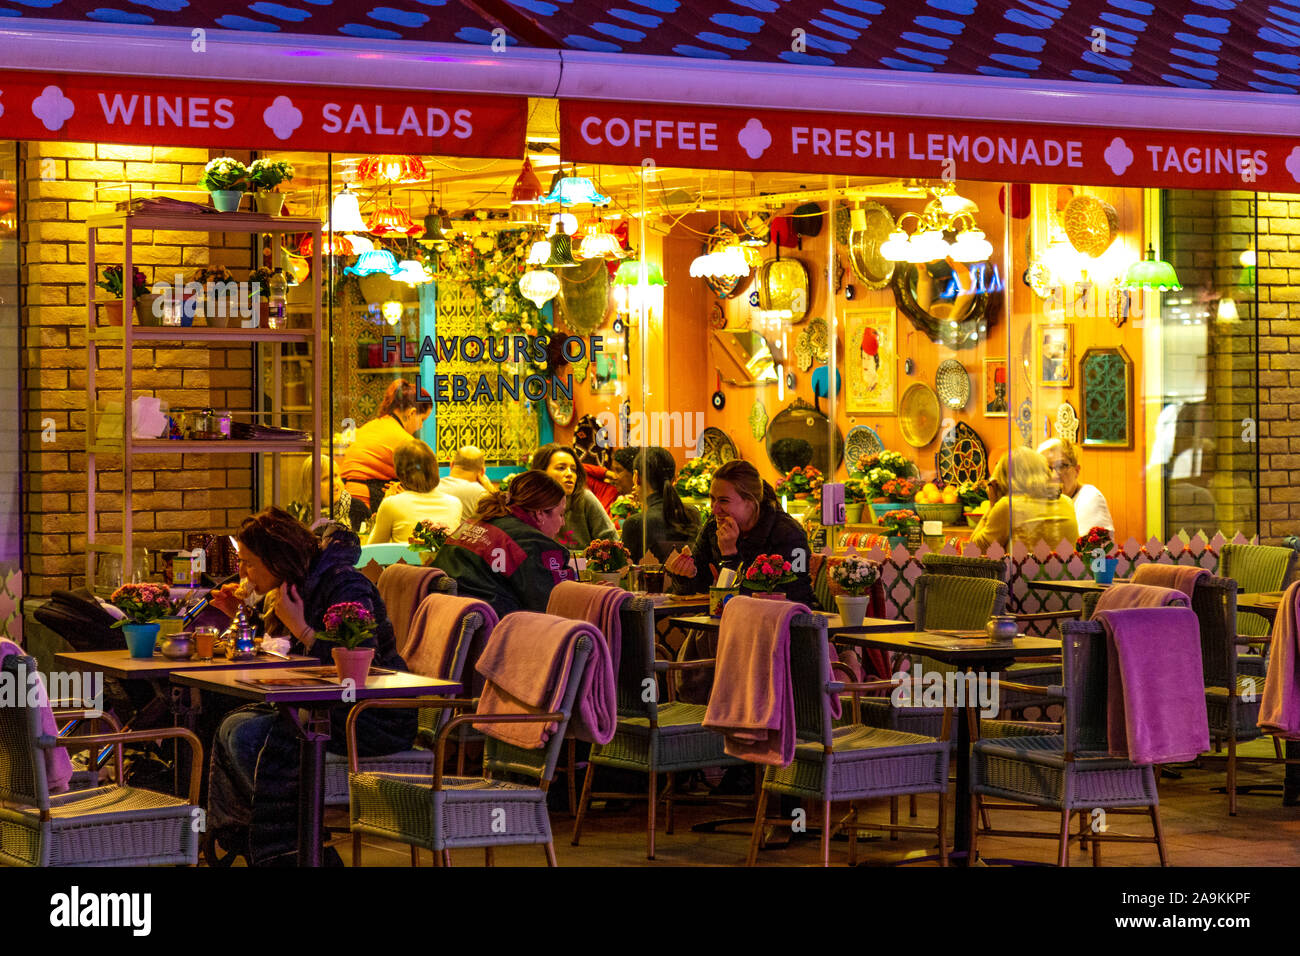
[951, 302]
[797, 436]
[751, 355]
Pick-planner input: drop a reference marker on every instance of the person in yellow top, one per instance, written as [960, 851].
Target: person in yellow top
[368, 468]
[1027, 505]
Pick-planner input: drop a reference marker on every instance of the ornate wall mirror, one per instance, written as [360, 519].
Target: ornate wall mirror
[1106, 392]
[783, 285]
[951, 302]
[797, 436]
[751, 355]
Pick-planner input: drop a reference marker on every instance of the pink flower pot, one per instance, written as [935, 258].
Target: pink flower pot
[353, 665]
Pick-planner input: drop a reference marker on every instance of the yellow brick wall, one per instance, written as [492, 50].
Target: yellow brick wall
[62, 184]
[1278, 269]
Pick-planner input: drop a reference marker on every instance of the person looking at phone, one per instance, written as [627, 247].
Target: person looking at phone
[747, 521]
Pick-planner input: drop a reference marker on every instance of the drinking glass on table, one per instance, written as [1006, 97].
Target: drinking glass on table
[205, 638]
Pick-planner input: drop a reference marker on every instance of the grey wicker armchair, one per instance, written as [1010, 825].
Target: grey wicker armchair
[100, 826]
[1256, 568]
[443, 813]
[848, 763]
[416, 760]
[959, 566]
[652, 738]
[1072, 771]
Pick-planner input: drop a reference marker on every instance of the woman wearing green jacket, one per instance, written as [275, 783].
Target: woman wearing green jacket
[507, 554]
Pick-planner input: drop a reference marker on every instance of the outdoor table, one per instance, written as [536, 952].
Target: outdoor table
[157, 671]
[965, 654]
[681, 604]
[314, 730]
[835, 626]
[1070, 586]
[1263, 603]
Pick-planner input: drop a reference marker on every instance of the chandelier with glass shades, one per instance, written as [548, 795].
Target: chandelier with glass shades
[946, 213]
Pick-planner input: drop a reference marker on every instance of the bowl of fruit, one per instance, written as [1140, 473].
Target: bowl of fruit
[974, 515]
[935, 504]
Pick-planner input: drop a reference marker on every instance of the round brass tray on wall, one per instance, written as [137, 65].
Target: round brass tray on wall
[872, 269]
[918, 415]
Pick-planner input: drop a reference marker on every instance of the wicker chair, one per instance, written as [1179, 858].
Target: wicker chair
[416, 760]
[651, 738]
[443, 813]
[1072, 771]
[1256, 568]
[847, 763]
[964, 567]
[100, 826]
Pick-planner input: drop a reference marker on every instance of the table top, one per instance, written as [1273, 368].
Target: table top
[682, 604]
[1072, 586]
[834, 624]
[1264, 603]
[914, 642]
[233, 683]
[121, 665]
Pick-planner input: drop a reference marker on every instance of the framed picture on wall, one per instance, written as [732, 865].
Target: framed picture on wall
[604, 374]
[1106, 398]
[870, 361]
[995, 388]
[1056, 356]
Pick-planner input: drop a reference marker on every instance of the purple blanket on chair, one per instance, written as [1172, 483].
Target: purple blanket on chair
[1156, 689]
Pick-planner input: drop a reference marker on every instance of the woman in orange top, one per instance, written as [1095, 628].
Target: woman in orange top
[368, 463]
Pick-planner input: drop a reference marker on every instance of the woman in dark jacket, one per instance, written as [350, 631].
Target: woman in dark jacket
[507, 554]
[585, 518]
[253, 790]
[747, 521]
[666, 522]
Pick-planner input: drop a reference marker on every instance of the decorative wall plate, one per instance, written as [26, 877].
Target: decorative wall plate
[717, 317]
[819, 338]
[1025, 422]
[758, 420]
[918, 415]
[867, 263]
[715, 446]
[862, 440]
[962, 455]
[1067, 422]
[803, 353]
[952, 382]
[1090, 224]
[843, 224]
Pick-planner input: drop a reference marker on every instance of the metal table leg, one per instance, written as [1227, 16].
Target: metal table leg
[314, 732]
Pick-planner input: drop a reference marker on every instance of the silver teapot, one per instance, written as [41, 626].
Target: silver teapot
[1002, 629]
[239, 637]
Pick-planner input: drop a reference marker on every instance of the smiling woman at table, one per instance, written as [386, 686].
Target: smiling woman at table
[252, 797]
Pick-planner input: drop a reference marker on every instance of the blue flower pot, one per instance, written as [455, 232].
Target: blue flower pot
[1107, 574]
[226, 200]
[140, 639]
[881, 508]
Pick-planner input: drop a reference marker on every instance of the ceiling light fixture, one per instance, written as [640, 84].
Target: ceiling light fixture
[574, 190]
[1152, 273]
[528, 188]
[345, 213]
[388, 170]
[946, 212]
[539, 286]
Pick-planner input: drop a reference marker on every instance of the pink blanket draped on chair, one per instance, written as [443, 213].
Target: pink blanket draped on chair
[752, 703]
[402, 587]
[58, 765]
[1120, 597]
[1279, 708]
[596, 604]
[1180, 577]
[1156, 692]
[525, 665]
[430, 647]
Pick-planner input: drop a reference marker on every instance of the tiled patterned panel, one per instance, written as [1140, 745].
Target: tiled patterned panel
[1206, 44]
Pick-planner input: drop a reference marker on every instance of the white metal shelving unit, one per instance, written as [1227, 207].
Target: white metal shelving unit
[122, 227]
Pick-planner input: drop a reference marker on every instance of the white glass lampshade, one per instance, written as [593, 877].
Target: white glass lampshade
[392, 310]
[972, 246]
[539, 286]
[345, 213]
[563, 221]
[895, 248]
[599, 245]
[539, 252]
[412, 272]
[927, 246]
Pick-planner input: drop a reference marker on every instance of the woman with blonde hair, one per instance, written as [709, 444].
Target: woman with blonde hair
[1027, 504]
[418, 499]
[1090, 508]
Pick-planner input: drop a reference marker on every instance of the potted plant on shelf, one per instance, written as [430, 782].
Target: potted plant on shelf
[894, 492]
[852, 578]
[974, 497]
[111, 282]
[427, 537]
[876, 470]
[258, 284]
[144, 605]
[855, 498]
[606, 560]
[217, 281]
[265, 175]
[767, 573]
[624, 507]
[1095, 548]
[898, 524]
[695, 479]
[226, 179]
[798, 482]
[349, 625]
